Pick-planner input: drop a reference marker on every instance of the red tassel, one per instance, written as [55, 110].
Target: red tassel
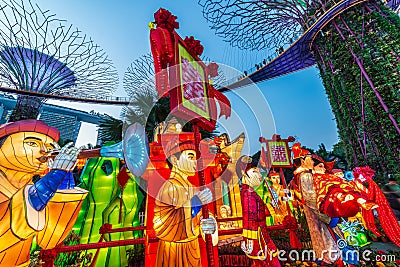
[386, 217]
[294, 240]
[370, 222]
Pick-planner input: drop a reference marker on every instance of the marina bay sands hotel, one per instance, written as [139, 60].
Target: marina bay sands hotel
[67, 120]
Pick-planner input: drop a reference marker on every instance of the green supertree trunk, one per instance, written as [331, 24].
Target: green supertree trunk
[358, 55]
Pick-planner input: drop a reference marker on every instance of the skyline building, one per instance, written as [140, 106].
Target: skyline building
[67, 120]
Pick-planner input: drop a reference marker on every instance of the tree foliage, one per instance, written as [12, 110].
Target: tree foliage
[368, 134]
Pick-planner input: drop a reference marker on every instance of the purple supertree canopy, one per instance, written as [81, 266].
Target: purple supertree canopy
[41, 53]
[34, 71]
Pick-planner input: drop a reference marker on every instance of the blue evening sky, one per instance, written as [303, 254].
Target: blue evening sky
[298, 102]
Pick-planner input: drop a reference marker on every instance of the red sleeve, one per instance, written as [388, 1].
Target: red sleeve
[245, 208]
[251, 210]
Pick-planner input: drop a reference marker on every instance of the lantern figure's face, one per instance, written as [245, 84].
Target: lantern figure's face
[255, 177]
[187, 163]
[320, 168]
[26, 151]
[275, 179]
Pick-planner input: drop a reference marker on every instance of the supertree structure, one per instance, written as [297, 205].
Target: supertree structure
[355, 45]
[42, 54]
[139, 74]
[139, 84]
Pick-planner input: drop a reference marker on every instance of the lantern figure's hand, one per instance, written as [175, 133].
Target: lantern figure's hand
[56, 148]
[247, 246]
[208, 226]
[50, 160]
[67, 158]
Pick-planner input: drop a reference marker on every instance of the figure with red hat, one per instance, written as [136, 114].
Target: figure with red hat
[47, 208]
[177, 209]
[327, 197]
[256, 243]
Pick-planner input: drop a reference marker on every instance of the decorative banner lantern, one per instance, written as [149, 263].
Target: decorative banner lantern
[275, 153]
[181, 75]
[190, 95]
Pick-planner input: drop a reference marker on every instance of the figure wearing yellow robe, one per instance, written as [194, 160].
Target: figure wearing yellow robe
[24, 147]
[176, 213]
[278, 193]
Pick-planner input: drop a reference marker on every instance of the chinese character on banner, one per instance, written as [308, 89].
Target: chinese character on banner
[276, 153]
[193, 87]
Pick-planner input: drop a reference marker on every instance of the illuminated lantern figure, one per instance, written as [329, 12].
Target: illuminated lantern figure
[256, 243]
[327, 196]
[320, 225]
[47, 208]
[176, 213]
[279, 197]
[337, 197]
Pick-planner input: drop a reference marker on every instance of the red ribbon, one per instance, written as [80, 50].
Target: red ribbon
[212, 69]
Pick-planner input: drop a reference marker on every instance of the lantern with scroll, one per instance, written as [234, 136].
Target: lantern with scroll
[183, 77]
